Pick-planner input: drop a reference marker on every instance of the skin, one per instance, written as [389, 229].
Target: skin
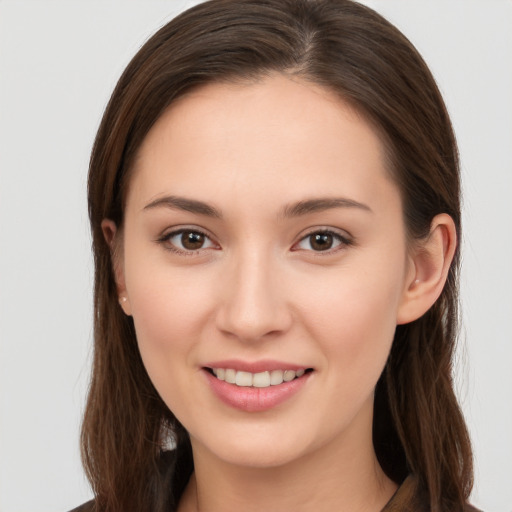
[258, 288]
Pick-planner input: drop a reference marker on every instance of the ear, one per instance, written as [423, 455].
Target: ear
[112, 237]
[428, 269]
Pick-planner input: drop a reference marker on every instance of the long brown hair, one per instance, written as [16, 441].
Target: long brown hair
[353, 51]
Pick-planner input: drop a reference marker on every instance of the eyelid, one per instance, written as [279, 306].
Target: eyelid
[170, 233]
[345, 239]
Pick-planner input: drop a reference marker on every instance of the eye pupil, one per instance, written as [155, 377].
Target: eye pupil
[192, 240]
[321, 241]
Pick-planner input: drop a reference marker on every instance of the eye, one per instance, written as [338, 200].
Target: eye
[322, 241]
[187, 240]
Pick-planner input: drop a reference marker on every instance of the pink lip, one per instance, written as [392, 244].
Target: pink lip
[255, 366]
[251, 399]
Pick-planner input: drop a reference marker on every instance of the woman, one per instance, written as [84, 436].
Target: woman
[274, 201]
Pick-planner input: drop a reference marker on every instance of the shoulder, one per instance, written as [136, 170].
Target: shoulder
[86, 507]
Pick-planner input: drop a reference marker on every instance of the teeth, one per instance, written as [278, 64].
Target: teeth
[276, 377]
[261, 380]
[288, 375]
[230, 376]
[243, 379]
[257, 380]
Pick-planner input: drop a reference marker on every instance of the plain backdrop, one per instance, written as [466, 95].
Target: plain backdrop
[59, 61]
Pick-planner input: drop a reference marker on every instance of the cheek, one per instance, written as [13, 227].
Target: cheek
[171, 308]
[169, 314]
[167, 309]
[353, 316]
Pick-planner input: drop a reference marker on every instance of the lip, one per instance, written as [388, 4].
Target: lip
[254, 366]
[251, 399]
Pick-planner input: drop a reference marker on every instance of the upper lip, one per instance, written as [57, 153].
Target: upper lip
[255, 366]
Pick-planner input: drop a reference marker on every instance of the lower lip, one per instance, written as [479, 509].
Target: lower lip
[252, 399]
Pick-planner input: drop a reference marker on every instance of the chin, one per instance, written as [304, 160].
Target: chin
[257, 447]
[259, 457]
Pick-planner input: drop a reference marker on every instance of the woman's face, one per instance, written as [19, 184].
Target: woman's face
[264, 241]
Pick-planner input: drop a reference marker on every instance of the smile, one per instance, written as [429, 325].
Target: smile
[263, 379]
[255, 387]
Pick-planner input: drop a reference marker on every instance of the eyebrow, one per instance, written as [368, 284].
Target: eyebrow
[321, 204]
[297, 209]
[188, 205]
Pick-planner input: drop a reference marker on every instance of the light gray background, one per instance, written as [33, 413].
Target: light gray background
[59, 61]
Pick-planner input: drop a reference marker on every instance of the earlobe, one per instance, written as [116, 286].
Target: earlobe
[430, 263]
[111, 234]
[125, 305]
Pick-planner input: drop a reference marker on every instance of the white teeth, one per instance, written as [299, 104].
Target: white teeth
[243, 379]
[230, 376]
[257, 380]
[288, 375]
[261, 380]
[276, 377]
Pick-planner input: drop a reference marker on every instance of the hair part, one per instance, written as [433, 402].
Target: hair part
[354, 52]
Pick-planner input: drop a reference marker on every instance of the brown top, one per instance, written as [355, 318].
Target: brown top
[407, 498]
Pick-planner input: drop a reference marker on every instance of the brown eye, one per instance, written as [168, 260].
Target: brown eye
[192, 240]
[321, 241]
[187, 240]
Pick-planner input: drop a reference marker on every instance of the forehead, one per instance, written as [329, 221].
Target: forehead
[277, 137]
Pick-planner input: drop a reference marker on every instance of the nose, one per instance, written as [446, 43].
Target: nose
[254, 304]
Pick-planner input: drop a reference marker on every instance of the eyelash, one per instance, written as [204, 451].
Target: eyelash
[166, 241]
[343, 240]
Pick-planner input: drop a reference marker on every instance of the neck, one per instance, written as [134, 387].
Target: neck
[338, 476]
